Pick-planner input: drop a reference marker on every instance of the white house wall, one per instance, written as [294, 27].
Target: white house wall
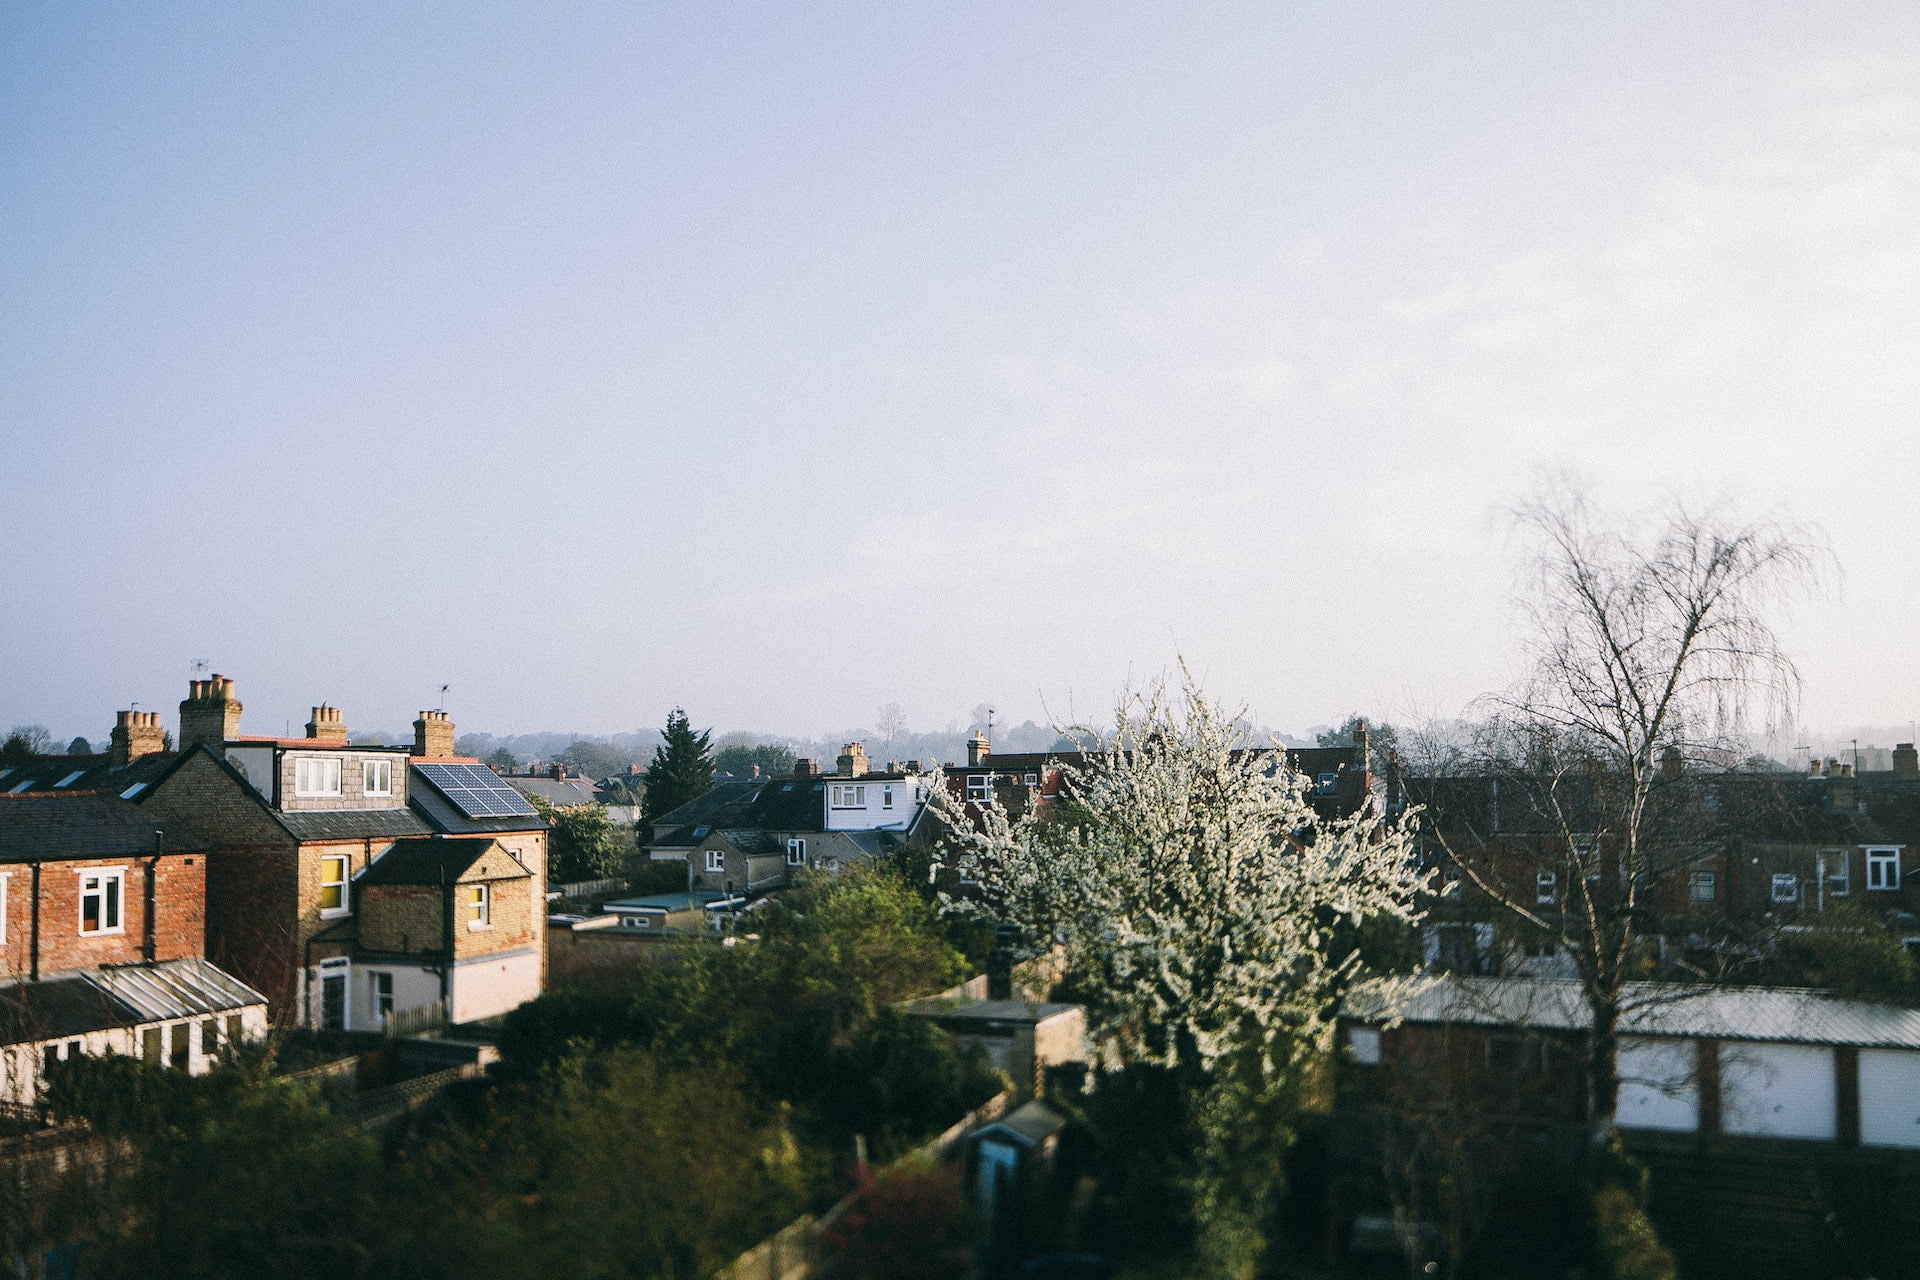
[1658, 1089]
[495, 985]
[1777, 1090]
[414, 986]
[908, 796]
[1890, 1098]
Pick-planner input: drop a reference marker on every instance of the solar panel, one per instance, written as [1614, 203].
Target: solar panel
[476, 791]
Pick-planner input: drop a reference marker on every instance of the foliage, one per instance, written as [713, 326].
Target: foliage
[741, 759]
[907, 1222]
[595, 759]
[1193, 887]
[649, 877]
[228, 1174]
[501, 760]
[1852, 954]
[24, 741]
[1625, 1243]
[583, 843]
[682, 767]
[1200, 903]
[1382, 739]
[802, 1013]
[79, 747]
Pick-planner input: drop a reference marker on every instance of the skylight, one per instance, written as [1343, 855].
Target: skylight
[133, 791]
[18, 787]
[70, 779]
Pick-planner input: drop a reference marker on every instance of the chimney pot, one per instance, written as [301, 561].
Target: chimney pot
[135, 734]
[211, 714]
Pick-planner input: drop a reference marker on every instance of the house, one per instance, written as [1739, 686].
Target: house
[103, 937]
[1019, 1038]
[749, 835]
[1754, 1062]
[290, 826]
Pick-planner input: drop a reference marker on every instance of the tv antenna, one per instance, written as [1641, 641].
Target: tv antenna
[443, 699]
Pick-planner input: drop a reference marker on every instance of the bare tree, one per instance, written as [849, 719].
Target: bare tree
[1652, 648]
[892, 723]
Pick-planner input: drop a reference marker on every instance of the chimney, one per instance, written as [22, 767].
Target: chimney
[1672, 763]
[327, 726]
[853, 761]
[1906, 761]
[433, 735]
[978, 748]
[913, 766]
[803, 768]
[1843, 789]
[1815, 769]
[1362, 747]
[557, 772]
[210, 714]
[1394, 784]
[136, 734]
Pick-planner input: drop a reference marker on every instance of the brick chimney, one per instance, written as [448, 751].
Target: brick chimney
[210, 714]
[326, 725]
[136, 734]
[978, 748]
[1673, 764]
[853, 761]
[803, 768]
[1906, 761]
[433, 735]
[557, 772]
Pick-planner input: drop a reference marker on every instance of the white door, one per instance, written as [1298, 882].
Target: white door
[1658, 1089]
[994, 1164]
[1889, 1098]
[1777, 1090]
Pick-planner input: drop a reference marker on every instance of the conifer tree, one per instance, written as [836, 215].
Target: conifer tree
[682, 767]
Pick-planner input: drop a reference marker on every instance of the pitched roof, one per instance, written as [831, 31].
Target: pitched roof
[96, 773]
[789, 804]
[1782, 1014]
[65, 824]
[119, 996]
[441, 814]
[430, 860]
[352, 824]
[559, 791]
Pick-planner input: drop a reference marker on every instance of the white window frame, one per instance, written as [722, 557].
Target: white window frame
[1791, 883]
[118, 875]
[980, 787]
[306, 785]
[346, 876]
[382, 1000]
[1033, 779]
[796, 853]
[1839, 882]
[847, 796]
[886, 796]
[716, 861]
[1707, 880]
[1883, 868]
[1546, 888]
[478, 907]
[370, 772]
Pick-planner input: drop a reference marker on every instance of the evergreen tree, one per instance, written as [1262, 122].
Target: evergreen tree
[682, 767]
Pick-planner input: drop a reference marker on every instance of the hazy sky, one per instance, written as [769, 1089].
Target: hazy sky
[786, 360]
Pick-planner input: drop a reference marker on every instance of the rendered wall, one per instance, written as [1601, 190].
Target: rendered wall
[1890, 1098]
[1658, 1089]
[1777, 1090]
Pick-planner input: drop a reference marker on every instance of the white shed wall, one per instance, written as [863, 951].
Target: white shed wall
[1658, 1089]
[1890, 1098]
[489, 987]
[1777, 1090]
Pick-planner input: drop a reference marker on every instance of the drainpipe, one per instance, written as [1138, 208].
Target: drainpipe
[34, 954]
[153, 867]
[446, 932]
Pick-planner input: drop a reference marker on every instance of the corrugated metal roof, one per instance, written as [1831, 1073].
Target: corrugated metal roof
[175, 989]
[1777, 1014]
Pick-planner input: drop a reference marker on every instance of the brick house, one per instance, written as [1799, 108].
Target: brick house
[102, 936]
[290, 824]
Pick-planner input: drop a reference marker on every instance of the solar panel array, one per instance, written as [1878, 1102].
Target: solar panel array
[476, 791]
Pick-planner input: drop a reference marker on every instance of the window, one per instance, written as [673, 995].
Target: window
[849, 797]
[69, 780]
[209, 1038]
[316, 776]
[1786, 887]
[1518, 1055]
[1327, 783]
[1365, 1044]
[1033, 779]
[1702, 885]
[182, 1036]
[1883, 869]
[377, 777]
[796, 853]
[980, 786]
[100, 900]
[1839, 872]
[150, 1046]
[382, 994]
[234, 1026]
[716, 860]
[479, 906]
[886, 796]
[333, 886]
[50, 1057]
[1545, 884]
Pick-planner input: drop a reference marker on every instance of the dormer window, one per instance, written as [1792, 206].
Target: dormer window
[980, 786]
[316, 776]
[377, 777]
[849, 797]
[1327, 783]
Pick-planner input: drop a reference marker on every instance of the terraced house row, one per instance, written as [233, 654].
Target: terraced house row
[165, 900]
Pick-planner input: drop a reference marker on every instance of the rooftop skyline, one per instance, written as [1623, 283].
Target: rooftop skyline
[592, 360]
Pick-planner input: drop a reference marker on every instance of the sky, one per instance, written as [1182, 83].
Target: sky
[783, 361]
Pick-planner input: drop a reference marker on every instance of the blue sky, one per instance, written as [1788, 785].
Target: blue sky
[783, 361]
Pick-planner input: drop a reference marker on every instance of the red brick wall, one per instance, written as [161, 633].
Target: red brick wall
[179, 914]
